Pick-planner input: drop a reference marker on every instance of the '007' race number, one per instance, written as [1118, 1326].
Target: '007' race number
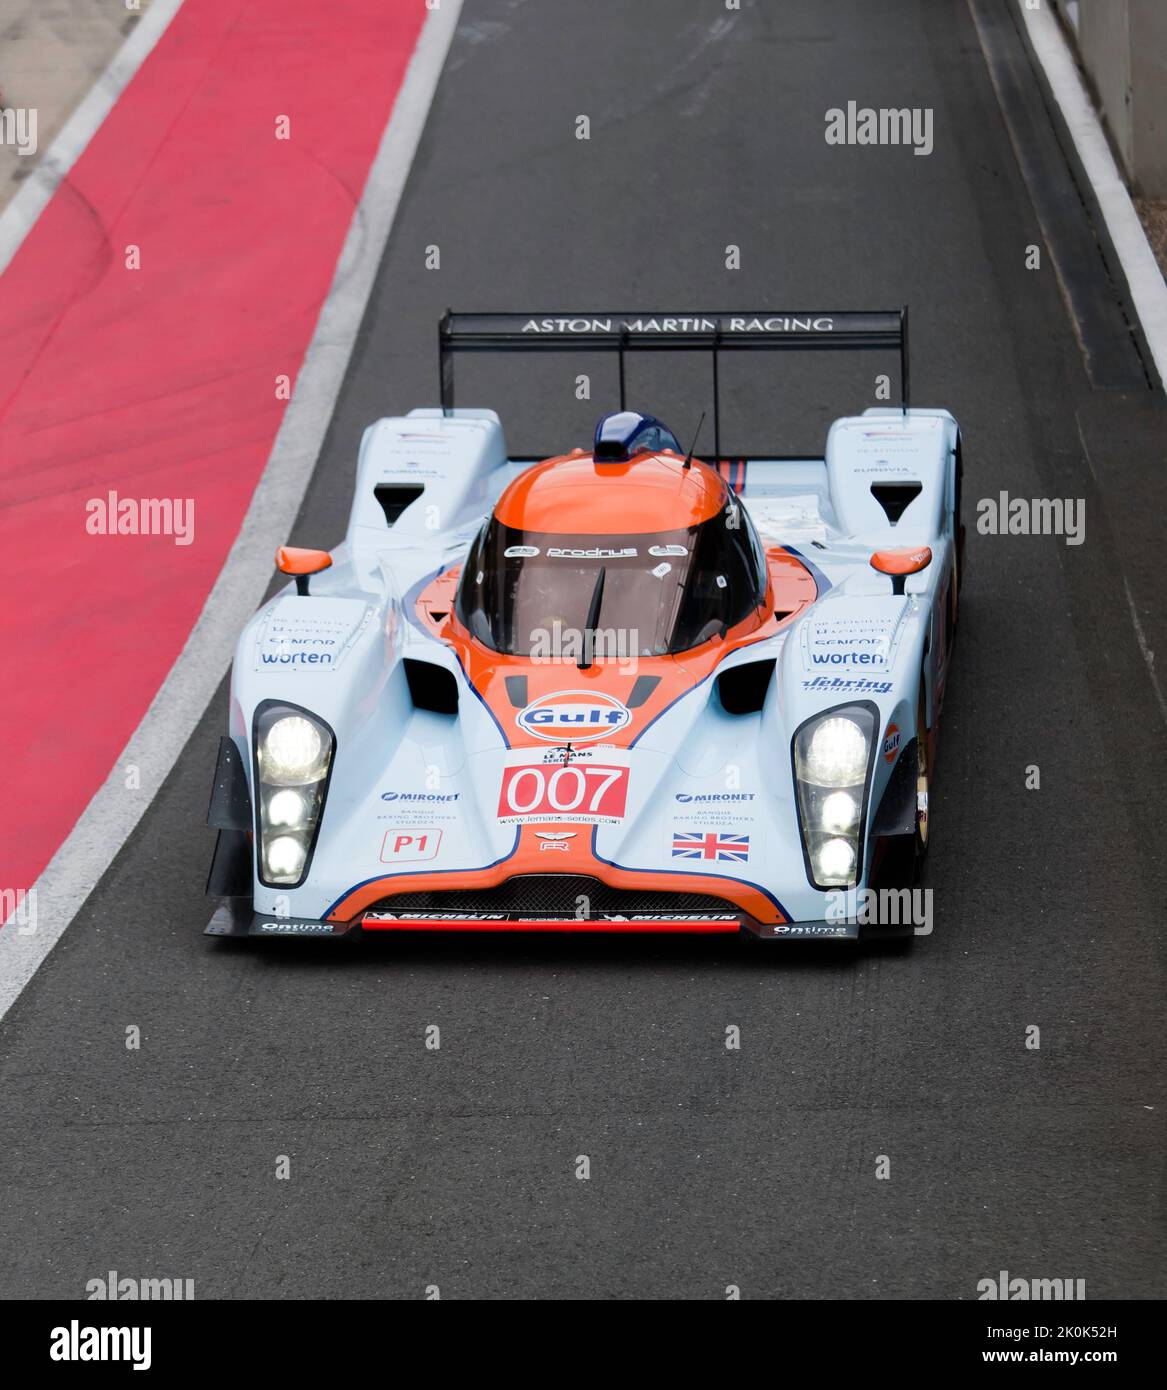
[575, 791]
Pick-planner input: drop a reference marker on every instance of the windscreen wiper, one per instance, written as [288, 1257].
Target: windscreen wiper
[592, 621]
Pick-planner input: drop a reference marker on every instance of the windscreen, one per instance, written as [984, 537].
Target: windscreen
[535, 594]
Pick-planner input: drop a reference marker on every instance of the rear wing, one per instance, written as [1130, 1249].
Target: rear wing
[714, 333]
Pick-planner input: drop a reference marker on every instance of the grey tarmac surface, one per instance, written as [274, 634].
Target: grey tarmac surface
[709, 1167]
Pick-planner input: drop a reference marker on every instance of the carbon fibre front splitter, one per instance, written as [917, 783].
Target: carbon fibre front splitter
[236, 919]
[805, 931]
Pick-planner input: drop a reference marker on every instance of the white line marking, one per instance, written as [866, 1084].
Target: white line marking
[111, 816]
[1147, 287]
[1148, 654]
[20, 216]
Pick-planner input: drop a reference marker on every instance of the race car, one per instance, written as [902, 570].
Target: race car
[615, 688]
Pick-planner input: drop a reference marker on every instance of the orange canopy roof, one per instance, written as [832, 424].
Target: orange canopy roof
[574, 494]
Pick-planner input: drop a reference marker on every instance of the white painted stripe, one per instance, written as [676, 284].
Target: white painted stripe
[20, 216]
[108, 820]
[1147, 287]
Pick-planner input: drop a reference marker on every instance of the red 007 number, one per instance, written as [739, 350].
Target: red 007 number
[586, 790]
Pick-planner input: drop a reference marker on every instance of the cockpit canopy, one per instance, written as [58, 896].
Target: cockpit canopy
[537, 593]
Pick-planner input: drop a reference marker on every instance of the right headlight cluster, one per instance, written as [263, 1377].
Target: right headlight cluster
[832, 765]
[293, 758]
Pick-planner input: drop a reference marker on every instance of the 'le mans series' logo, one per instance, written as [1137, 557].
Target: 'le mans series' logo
[575, 716]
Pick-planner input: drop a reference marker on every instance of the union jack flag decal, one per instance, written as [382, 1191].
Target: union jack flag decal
[710, 844]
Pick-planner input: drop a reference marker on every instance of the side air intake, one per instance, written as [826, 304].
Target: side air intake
[742, 689]
[896, 498]
[395, 497]
[431, 687]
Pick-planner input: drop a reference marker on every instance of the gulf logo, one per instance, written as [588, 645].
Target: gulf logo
[891, 743]
[573, 716]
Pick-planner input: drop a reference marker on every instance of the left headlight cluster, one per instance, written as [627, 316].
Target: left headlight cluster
[293, 759]
[832, 764]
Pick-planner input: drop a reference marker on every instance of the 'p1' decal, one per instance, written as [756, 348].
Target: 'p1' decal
[399, 845]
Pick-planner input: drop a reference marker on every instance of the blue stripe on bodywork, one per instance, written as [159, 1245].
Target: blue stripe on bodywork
[821, 582]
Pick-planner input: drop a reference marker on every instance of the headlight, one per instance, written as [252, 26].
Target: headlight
[837, 755]
[284, 856]
[293, 759]
[287, 807]
[291, 750]
[832, 756]
[840, 813]
[835, 860]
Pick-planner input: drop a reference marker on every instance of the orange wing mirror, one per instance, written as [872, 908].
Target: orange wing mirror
[291, 559]
[900, 563]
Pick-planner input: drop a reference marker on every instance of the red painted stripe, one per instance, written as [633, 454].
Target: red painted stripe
[161, 382]
[567, 924]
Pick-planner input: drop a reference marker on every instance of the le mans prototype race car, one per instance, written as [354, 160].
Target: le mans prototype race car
[619, 689]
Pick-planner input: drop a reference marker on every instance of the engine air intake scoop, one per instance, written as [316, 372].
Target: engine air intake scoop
[624, 433]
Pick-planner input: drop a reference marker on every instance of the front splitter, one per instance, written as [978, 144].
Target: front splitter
[236, 919]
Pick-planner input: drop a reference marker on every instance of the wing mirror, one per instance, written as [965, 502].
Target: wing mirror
[301, 564]
[900, 563]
